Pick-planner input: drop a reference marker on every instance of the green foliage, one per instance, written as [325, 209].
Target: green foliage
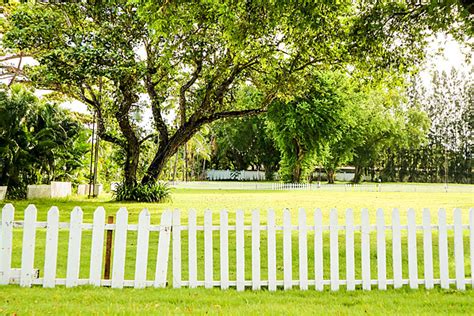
[192, 57]
[301, 127]
[446, 153]
[245, 142]
[159, 192]
[39, 142]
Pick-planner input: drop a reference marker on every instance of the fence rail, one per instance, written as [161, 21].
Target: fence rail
[270, 246]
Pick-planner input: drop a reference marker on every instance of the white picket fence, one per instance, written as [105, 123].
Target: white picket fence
[170, 239]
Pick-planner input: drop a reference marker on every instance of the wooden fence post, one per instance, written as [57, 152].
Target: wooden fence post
[108, 249]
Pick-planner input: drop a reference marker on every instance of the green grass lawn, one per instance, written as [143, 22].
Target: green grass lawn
[91, 300]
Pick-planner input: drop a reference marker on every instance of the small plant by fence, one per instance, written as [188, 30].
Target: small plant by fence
[269, 246]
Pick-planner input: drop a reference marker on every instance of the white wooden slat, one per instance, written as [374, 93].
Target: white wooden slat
[120, 249]
[6, 243]
[412, 251]
[271, 244]
[176, 249]
[443, 249]
[318, 250]
[28, 247]
[224, 249]
[97, 250]
[471, 236]
[208, 256]
[365, 244]
[350, 267]
[161, 272]
[240, 250]
[381, 251]
[334, 250]
[427, 249]
[256, 250]
[396, 249]
[192, 249]
[74, 248]
[143, 238]
[287, 255]
[303, 250]
[459, 250]
[51, 248]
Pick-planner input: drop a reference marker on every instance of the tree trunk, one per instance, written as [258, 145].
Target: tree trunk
[357, 174]
[165, 152]
[132, 157]
[331, 176]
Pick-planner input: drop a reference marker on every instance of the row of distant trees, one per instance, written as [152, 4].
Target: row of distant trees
[415, 135]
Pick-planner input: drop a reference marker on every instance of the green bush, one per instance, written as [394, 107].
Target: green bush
[16, 192]
[158, 192]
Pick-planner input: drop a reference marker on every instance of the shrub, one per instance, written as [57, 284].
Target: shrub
[16, 192]
[158, 192]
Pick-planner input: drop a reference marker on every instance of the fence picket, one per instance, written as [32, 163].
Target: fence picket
[427, 249]
[459, 250]
[318, 249]
[120, 247]
[471, 236]
[224, 248]
[396, 249]
[240, 250]
[412, 251]
[176, 249]
[28, 247]
[350, 268]
[303, 250]
[97, 250]
[334, 250]
[365, 244]
[287, 255]
[192, 249]
[381, 251]
[143, 237]
[208, 256]
[443, 250]
[271, 244]
[6, 243]
[256, 250]
[74, 248]
[161, 272]
[51, 248]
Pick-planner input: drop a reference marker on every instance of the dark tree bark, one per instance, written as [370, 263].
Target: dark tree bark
[331, 174]
[357, 174]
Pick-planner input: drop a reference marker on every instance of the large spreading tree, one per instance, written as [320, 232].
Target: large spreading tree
[191, 58]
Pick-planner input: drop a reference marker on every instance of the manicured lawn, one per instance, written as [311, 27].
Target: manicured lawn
[90, 300]
[232, 200]
[87, 300]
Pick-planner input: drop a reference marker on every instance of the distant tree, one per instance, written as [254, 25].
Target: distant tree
[302, 127]
[245, 142]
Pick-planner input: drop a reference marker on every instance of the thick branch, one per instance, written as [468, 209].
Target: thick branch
[100, 120]
[184, 88]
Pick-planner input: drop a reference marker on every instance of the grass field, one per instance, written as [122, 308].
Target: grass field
[91, 300]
